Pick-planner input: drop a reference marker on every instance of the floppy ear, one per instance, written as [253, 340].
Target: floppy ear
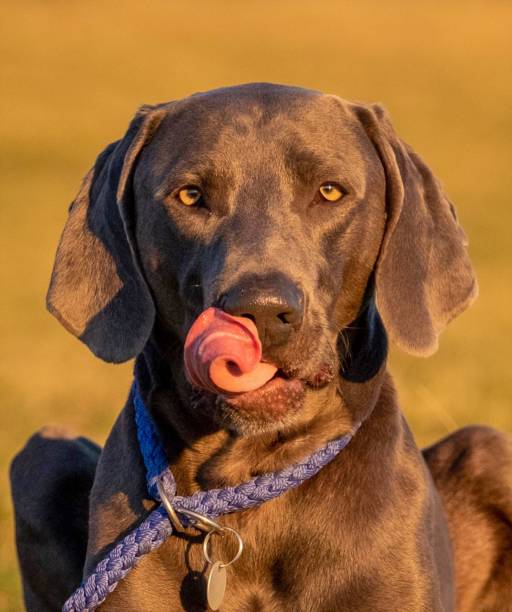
[97, 290]
[424, 277]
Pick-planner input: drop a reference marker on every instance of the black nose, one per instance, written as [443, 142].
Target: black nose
[275, 304]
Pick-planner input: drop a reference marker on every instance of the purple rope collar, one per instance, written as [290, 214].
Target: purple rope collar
[156, 528]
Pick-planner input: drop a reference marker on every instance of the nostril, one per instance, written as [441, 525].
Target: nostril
[285, 317]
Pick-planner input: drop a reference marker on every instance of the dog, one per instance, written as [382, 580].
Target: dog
[310, 216]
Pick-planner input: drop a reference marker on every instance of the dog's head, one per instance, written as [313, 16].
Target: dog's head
[304, 212]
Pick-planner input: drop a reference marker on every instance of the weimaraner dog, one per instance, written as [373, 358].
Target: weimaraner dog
[310, 217]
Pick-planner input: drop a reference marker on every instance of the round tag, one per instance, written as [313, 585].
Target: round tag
[216, 585]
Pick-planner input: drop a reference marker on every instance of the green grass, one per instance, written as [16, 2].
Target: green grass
[74, 72]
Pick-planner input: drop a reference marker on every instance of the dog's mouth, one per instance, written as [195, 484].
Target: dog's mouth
[279, 380]
[223, 356]
[277, 398]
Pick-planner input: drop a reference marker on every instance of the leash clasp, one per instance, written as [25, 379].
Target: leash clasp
[199, 521]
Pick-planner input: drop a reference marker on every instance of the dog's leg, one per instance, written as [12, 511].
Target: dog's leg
[472, 469]
[51, 478]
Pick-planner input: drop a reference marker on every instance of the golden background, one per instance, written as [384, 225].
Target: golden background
[74, 72]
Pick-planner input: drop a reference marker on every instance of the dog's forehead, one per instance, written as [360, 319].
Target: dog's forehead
[257, 104]
[242, 118]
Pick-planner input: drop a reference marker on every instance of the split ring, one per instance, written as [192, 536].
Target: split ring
[225, 531]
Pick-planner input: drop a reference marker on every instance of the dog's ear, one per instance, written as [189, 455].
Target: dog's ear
[97, 290]
[423, 276]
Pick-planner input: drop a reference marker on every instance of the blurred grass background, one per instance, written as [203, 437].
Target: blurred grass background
[74, 72]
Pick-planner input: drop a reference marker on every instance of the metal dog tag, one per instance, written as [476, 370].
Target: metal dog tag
[216, 585]
[216, 582]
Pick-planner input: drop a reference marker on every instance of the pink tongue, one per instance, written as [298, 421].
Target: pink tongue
[223, 354]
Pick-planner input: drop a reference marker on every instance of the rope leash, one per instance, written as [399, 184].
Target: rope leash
[156, 528]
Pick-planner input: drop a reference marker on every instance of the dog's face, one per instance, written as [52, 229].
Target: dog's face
[255, 204]
[277, 203]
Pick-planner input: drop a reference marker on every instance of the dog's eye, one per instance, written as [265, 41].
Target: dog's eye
[189, 195]
[331, 192]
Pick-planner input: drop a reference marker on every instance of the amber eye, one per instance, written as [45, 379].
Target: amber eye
[189, 195]
[331, 192]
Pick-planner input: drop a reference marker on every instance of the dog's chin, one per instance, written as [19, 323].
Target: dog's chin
[267, 408]
[272, 407]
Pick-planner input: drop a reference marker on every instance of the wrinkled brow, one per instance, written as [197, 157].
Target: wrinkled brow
[202, 174]
[306, 165]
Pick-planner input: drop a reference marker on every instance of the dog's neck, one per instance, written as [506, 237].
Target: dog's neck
[204, 455]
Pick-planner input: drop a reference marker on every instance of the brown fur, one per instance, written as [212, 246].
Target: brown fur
[371, 531]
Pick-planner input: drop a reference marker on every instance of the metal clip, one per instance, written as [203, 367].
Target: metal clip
[199, 521]
[176, 523]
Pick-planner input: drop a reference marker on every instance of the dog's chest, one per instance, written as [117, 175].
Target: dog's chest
[284, 564]
[273, 573]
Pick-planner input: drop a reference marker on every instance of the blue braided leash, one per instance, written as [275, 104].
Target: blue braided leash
[156, 528]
